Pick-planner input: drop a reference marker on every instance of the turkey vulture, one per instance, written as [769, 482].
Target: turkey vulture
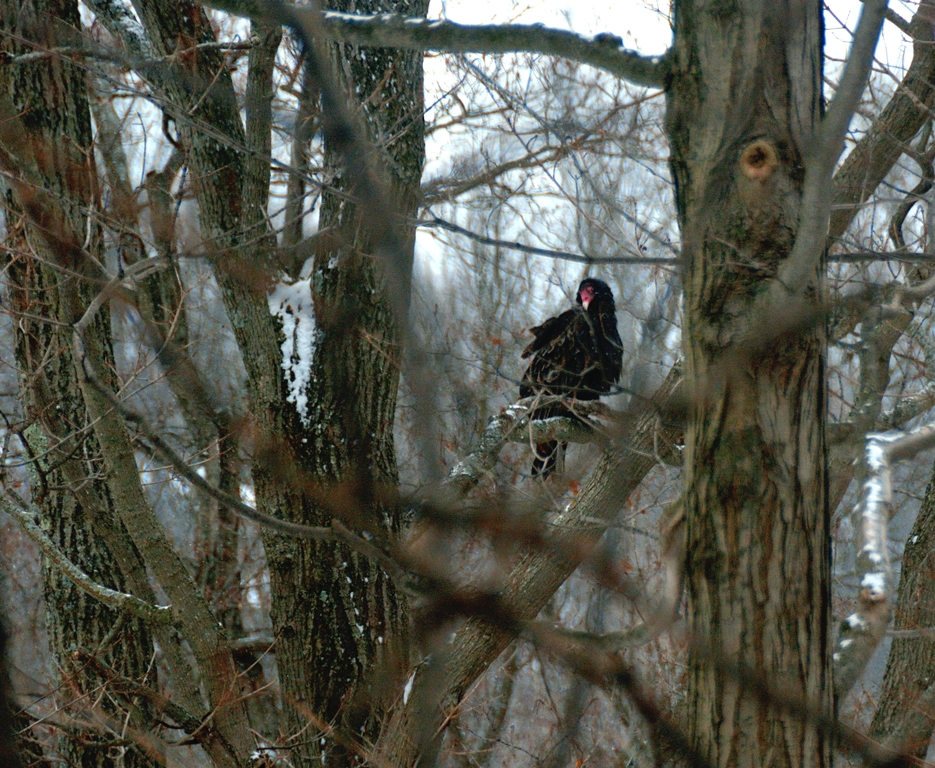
[578, 355]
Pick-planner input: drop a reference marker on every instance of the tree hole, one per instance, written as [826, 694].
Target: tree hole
[758, 161]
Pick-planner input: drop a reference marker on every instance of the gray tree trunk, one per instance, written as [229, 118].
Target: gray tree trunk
[67, 475]
[334, 609]
[742, 105]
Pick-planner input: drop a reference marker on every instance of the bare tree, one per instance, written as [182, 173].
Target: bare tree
[326, 133]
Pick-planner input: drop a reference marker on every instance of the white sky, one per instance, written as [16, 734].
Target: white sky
[644, 24]
[641, 23]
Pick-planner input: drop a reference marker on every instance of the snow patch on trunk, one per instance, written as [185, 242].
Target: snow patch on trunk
[292, 304]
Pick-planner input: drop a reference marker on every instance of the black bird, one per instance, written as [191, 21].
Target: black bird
[577, 355]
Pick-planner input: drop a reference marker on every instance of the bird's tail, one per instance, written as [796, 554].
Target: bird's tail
[547, 456]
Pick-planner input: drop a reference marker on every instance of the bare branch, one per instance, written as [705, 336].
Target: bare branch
[916, 292]
[131, 274]
[436, 223]
[604, 51]
[862, 631]
[514, 424]
[189, 722]
[887, 139]
[572, 534]
[910, 407]
[96, 52]
[897, 21]
[853, 257]
[800, 268]
[389, 30]
[121, 601]
[337, 530]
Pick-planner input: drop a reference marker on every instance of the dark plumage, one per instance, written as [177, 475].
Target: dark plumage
[578, 355]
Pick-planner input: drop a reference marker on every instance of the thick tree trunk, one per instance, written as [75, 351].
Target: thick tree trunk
[8, 754]
[327, 615]
[67, 482]
[743, 104]
[910, 666]
[334, 609]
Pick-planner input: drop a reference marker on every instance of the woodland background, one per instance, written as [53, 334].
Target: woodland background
[176, 188]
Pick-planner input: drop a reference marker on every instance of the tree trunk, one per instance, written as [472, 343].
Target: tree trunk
[743, 104]
[910, 666]
[327, 615]
[334, 609]
[8, 754]
[67, 482]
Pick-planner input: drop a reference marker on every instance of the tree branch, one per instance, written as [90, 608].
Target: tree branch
[388, 30]
[121, 601]
[897, 21]
[892, 130]
[437, 223]
[801, 266]
[337, 530]
[572, 534]
[117, 19]
[862, 631]
[513, 424]
[187, 721]
[603, 51]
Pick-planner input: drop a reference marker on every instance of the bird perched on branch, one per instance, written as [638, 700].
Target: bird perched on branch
[576, 355]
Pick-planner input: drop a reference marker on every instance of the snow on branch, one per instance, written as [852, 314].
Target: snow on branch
[513, 424]
[862, 631]
[604, 51]
[121, 601]
[390, 30]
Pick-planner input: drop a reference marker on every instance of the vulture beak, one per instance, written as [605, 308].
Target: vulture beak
[586, 296]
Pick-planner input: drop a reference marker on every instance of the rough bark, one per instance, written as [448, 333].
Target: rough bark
[285, 467]
[59, 237]
[742, 108]
[910, 667]
[52, 99]
[333, 608]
